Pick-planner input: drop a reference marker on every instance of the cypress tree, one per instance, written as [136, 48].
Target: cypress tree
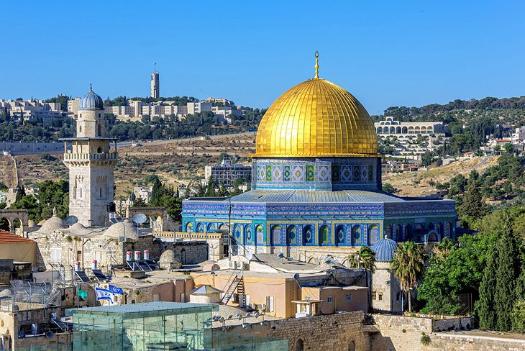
[485, 304]
[507, 263]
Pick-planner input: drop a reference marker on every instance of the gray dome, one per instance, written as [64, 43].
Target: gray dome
[124, 229]
[52, 224]
[91, 101]
[384, 250]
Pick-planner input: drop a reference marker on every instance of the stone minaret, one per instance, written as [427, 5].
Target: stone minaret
[91, 161]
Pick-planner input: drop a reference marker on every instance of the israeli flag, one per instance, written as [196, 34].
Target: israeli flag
[104, 294]
[115, 290]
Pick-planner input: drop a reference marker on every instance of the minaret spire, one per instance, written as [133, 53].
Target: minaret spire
[316, 65]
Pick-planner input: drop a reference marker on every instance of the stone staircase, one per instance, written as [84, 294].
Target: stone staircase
[236, 284]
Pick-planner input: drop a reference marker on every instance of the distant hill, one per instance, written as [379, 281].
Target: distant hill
[508, 110]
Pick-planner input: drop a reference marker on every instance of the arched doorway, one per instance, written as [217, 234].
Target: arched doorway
[299, 345]
[4, 224]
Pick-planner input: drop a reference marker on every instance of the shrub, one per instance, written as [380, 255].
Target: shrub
[425, 339]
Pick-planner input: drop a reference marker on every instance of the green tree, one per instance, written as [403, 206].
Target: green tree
[472, 204]
[485, 305]
[506, 275]
[518, 316]
[389, 188]
[408, 265]
[426, 158]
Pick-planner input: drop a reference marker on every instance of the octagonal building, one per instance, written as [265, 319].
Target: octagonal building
[316, 185]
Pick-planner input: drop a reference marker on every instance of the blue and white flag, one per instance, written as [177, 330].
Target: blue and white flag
[104, 294]
[115, 290]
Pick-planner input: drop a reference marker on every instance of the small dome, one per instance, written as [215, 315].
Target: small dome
[78, 229]
[52, 224]
[384, 250]
[124, 229]
[91, 101]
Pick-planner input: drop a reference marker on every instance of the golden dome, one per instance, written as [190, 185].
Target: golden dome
[316, 118]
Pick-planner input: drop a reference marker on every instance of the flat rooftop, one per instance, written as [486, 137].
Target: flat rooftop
[146, 307]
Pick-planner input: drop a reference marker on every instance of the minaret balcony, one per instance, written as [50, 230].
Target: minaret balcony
[70, 156]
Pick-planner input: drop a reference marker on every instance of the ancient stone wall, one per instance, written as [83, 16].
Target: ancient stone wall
[471, 342]
[406, 334]
[336, 332]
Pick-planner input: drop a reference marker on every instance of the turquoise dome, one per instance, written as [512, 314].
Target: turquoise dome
[384, 250]
[91, 101]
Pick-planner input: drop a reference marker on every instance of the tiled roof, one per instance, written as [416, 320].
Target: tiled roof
[308, 196]
[7, 237]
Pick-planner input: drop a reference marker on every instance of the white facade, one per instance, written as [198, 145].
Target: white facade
[29, 110]
[198, 107]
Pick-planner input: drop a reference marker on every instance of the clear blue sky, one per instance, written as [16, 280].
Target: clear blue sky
[384, 52]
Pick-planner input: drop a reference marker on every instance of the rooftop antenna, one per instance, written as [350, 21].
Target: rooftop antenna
[155, 67]
[316, 65]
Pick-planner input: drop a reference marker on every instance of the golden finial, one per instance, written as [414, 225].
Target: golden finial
[316, 65]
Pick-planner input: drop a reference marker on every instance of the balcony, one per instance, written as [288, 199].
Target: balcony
[70, 156]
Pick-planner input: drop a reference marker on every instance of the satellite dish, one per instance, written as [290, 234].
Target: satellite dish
[139, 218]
[70, 220]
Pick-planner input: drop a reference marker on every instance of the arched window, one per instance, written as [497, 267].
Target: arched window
[260, 234]
[373, 234]
[340, 235]
[351, 345]
[323, 235]
[308, 235]
[356, 234]
[237, 232]
[291, 235]
[299, 345]
[99, 150]
[189, 227]
[379, 130]
[248, 233]
[276, 234]
[200, 228]
[99, 130]
[211, 227]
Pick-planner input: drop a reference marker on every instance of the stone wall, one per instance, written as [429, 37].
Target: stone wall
[472, 342]
[336, 332]
[405, 333]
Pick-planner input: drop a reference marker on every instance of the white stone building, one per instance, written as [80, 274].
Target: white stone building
[91, 161]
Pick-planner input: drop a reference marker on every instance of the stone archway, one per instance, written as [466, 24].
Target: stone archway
[15, 218]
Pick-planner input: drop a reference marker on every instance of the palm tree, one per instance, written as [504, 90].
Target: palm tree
[407, 265]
